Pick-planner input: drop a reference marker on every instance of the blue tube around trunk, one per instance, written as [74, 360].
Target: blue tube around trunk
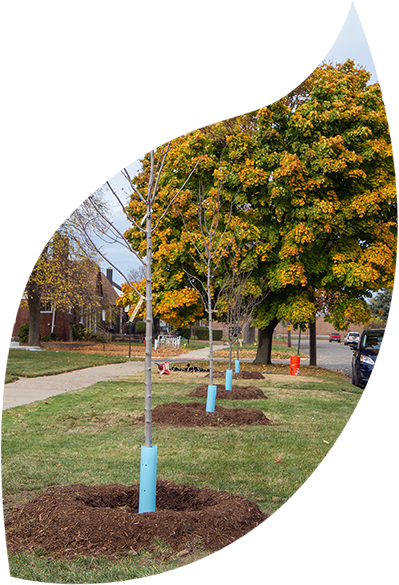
[148, 479]
[211, 398]
[229, 379]
[237, 366]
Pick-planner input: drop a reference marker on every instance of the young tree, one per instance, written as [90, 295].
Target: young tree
[241, 294]
[209, 235]
[47, 102]
[139, 211]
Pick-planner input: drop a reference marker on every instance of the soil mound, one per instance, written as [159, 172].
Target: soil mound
[193, 414]
[236, 393]
[244, 375]
[67, 521]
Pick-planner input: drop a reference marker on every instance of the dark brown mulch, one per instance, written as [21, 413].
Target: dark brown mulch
[236, 393]
[243, 375]
[193, 414]
[104, 520]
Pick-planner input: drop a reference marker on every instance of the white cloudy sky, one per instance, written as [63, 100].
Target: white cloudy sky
[363, 30]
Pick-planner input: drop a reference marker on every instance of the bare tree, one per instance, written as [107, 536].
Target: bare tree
[136, 48]
[47, 104]
[210, 247]
[239, 300]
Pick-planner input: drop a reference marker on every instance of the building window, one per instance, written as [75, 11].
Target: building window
[45, 307]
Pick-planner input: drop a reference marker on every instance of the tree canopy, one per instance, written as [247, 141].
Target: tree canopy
[311, 178]
[380, 305]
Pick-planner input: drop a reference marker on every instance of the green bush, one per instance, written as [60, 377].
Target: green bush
[184, 332]
[140, 328]
[79, 332]
[23, 333]
[203, 333]
[217, 335]
[51, 337]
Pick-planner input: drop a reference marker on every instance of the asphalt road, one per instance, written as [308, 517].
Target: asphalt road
[333, 356]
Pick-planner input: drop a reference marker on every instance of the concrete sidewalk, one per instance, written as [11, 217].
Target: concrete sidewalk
[26, 390]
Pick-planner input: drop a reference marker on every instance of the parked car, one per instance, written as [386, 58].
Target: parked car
[375, 359]
[335, 337]
[352, 337]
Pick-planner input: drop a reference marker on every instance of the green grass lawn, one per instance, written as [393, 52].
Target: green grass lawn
[30, 364]
[93, 436]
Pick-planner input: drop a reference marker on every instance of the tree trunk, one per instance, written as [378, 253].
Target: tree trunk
[249, 334]
[210, 321]
[230, 353]
[34, 298]
[312, 344]
[148, 336]
[265, 339]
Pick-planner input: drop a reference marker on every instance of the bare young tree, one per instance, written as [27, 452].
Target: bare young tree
[238, 303]
[211, 239]
[136, 48]
[47, 104]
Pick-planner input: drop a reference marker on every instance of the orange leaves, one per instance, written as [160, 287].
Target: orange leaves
[179, 307]
[288, 274]
[297, 309]
[251, 175]
[291, 166]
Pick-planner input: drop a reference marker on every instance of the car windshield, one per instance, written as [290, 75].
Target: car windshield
[384, 340]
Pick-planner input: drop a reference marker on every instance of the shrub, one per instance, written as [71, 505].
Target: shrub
[203, 333]
[184, 332]
[23, 333]
[51, 337]
[79, 332]
[140, 328]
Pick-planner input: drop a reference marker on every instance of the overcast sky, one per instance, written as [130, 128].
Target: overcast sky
[363, 30]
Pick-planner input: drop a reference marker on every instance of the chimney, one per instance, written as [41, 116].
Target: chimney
[109, 274]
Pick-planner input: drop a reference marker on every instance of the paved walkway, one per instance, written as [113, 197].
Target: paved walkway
[27, 390]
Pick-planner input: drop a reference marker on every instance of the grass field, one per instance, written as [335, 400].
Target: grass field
[93, 436]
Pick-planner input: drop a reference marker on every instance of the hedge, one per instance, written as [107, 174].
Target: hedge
[203, 333]
[184, 332]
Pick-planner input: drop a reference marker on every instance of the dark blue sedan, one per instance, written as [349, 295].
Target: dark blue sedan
[376, 359]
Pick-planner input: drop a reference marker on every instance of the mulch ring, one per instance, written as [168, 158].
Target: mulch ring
[243, 375]
[193, 414]
[67, 521]
[236, 393]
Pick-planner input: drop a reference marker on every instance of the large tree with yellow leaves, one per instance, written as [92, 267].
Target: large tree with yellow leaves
[313, 184]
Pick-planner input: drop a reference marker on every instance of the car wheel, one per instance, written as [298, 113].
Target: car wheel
[355, 381]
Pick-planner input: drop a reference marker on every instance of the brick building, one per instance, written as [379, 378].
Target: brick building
[60, 322]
